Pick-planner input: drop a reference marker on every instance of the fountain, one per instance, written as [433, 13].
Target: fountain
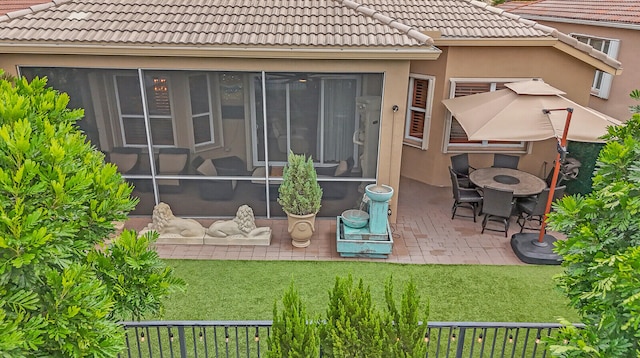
[366, 234]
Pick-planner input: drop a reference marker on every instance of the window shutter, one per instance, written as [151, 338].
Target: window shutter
[416, 128]
[418, 107]
[420, 93]
[465, 89]
[457, 133]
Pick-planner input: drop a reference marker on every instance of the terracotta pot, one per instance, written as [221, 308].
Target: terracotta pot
[301, 228]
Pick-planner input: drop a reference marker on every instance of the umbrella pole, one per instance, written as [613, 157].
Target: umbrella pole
[556, 169]
[526, 246]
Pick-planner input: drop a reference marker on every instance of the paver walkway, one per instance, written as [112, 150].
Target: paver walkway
[424, 234]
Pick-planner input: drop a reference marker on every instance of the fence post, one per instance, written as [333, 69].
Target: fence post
[183, 342]
[460, 345]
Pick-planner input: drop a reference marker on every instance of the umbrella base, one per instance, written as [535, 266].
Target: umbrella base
[530, 251]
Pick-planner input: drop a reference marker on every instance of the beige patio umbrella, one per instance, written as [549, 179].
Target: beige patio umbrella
[515, 114]
[530, 111]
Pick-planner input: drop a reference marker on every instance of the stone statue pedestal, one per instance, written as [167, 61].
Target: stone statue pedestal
[241, 230]
[231, 240]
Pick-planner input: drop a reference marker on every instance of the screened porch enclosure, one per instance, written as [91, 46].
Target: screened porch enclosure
[207, 142]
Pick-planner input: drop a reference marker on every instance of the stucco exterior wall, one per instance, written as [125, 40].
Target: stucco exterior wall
[553, 66]
[617, 105]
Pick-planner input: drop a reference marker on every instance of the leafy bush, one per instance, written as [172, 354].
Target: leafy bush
[135, 275]
[58, 200]
[601, 255]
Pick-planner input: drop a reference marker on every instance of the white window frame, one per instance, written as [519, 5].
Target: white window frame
[183, 134]
[483, 146]
[212, 138]
[151, 117]
[409, 140]
[601, 86]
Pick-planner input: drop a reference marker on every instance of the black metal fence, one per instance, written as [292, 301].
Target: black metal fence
[248, 339]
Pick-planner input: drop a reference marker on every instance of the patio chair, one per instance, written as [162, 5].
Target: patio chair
[127, 159]
[463, 197]
[505, 161]
[172, 161]
[497, 206]
[460, 166]
[533, 209]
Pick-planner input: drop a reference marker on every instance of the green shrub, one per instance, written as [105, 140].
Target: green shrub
[58, 200]
[354, 327]
[293, 334]
[601, 258]
[406, 327]
[300, 193]
[135, 275]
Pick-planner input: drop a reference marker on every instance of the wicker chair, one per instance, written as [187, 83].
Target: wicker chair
[460, 166]
[505, 161]
[463, 197]
[533, 209]
[497, 206]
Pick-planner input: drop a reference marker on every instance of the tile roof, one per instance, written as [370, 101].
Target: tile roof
[383, 25]
[7, 6]
[211, 23]
[614, 11]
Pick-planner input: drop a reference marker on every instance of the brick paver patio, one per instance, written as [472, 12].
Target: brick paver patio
[424, 234]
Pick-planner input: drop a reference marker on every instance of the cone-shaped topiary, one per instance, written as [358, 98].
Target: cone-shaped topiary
[293, 334]
[300, 193]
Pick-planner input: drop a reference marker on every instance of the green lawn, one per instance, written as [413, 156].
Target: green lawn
[246, 290]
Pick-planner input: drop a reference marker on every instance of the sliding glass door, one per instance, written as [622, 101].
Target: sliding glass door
[307, 114]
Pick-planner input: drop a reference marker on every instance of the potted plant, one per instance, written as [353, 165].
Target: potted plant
[299, 196]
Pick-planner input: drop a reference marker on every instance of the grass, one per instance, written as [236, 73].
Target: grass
[246, 290]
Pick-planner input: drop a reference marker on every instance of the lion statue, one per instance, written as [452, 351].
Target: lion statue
[243, 225]
[164, 222]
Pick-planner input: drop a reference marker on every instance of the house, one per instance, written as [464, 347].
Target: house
[198, 103]
[612, 26]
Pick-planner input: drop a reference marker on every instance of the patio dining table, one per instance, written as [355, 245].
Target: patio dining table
[521, 183]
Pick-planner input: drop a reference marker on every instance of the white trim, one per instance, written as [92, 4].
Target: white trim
[422, 143]
[212, 138]
[602, 81]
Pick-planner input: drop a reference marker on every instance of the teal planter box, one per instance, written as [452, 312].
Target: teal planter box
[357, 244]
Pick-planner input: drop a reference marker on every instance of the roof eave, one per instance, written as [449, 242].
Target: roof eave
[343, 53]
[599, 23]
[598, 64]
[516, 42]
[543, 41]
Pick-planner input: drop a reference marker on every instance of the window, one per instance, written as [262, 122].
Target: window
[418, 119]
[601, 81]
[201, 114]
[456, 136]
[132, 114]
